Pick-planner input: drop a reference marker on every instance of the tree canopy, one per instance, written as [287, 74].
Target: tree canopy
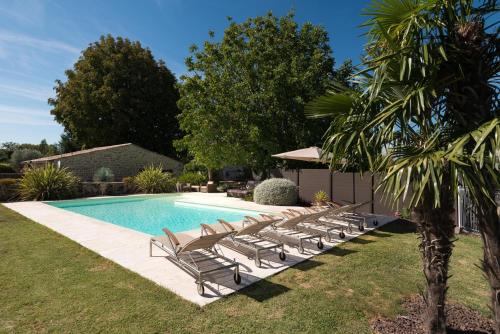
[115, 93]
[244, 97]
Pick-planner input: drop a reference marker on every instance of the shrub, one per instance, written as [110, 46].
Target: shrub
[8, 189]
[248, 197]
[129, 185]
[6, 168]
[104, 174]
[21, 155]
[321, 197]
[47, 183]
[193, 178]
[152, 180]
[276, 192]
[223, 187]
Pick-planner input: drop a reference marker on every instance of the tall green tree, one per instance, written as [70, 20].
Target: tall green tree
[244, 98]
[431, 113]
[115, 93]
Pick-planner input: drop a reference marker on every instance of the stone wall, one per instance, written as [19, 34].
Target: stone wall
[126, 160]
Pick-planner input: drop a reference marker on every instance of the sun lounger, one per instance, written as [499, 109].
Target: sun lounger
[319, 220]
[197, 256]
[288, 232]
[248, 237]
[350, 215]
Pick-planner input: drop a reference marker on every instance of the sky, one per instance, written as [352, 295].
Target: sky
[39, 40]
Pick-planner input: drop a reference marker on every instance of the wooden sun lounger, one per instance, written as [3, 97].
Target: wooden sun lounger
[248, 237]
[288, 232]
[349, 215]
[196, 256]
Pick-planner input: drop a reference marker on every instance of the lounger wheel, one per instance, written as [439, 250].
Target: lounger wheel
[328, 238]
[282, 256]
[375, 223]
[301, 249]
[320, 245]
[237, 278]
[201, 289]
[342, 235]
[258, 262]
[361, 228]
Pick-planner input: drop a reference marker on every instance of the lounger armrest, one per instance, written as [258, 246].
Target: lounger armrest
[291, 214]
[295, 211]
[228, 227]
[252, 219]
[172, 237]
[207, 229]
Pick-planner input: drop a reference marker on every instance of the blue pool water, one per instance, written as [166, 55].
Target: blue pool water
[149, 214]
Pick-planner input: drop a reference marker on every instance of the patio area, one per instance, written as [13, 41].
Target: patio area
[130, 248]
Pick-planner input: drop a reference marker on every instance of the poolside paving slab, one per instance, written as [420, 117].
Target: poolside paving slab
[130, 248]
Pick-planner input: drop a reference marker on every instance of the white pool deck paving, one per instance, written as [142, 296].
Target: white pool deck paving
[130, 248]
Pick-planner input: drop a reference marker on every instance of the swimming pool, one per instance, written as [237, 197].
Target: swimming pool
[149, 214]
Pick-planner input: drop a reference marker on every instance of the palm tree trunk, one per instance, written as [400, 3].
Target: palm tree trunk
[436, 227]
[489, 227]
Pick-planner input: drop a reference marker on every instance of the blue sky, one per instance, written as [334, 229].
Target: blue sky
[40, 39]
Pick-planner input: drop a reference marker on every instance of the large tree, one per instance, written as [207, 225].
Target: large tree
[430, 106]
[244, 97]
[117, 92]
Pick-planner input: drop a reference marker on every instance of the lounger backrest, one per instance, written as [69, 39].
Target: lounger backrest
[358, 205]
[293, 220]
[203, 242]
[256, 227]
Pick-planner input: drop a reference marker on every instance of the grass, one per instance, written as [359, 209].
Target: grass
[49, 283]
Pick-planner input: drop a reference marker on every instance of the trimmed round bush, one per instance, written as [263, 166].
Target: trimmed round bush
[276, 192]
[47, 183]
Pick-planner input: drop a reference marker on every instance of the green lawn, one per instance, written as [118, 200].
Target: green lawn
[49, 283]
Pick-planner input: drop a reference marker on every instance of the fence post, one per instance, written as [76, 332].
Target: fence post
[372, 195]
[353, 188]
[331, 184]
[460, 207]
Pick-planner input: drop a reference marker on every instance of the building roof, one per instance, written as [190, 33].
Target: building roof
[64, 155]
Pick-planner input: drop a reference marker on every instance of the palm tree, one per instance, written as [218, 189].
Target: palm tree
[410, 121]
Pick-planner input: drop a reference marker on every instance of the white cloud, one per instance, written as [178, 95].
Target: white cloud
[27, 116]
[32, 93]
[37, 43]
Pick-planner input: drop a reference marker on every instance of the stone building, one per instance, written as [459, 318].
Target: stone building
[123, 160]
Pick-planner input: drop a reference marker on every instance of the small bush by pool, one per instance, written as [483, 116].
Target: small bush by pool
[276, 192]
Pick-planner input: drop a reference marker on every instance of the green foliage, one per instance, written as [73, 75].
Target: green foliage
[248, 197]
[245, 96]
[104, 174]
[193, 178]
[115, 93]
[276, 192]
[421, 115]
[6, 168]
[47, 183]
[68, 144]
[321, 196]
[45, 149]
[129, 185]
[8, 189]
[152, 180]
[20, 155]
